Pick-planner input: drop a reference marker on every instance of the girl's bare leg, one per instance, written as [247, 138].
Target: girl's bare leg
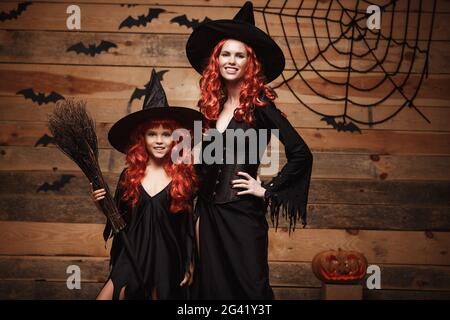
[107, 292]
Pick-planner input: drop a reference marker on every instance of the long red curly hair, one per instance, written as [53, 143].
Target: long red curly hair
[184, 179]
[213, 89]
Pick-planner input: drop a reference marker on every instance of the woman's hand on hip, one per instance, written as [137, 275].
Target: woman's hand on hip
[252, 186]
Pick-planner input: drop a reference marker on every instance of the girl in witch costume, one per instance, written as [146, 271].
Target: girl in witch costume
[154, 195]
[236, 60]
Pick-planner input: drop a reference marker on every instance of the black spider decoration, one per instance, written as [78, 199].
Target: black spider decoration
[393, 60]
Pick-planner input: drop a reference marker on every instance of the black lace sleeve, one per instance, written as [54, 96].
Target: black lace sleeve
[287, 193]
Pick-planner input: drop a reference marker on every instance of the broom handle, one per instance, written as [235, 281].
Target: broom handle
[113, 215]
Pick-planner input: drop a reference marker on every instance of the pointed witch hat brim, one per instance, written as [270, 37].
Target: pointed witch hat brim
[155, 107]
[242, 27]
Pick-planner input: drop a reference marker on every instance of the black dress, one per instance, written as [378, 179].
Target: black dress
[233, 235]
[163, 244]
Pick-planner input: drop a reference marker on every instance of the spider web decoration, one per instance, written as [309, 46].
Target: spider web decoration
[352, 65]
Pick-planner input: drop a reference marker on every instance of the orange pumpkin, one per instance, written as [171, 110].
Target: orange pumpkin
[340, 266]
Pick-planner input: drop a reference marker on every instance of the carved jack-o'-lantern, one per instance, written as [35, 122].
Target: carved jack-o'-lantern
[340, 266]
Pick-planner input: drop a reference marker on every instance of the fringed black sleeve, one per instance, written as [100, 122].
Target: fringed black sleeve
[287, 193]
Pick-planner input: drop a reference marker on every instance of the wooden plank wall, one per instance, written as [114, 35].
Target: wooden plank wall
[384, 192]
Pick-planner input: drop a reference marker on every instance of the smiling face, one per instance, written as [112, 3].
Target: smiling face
[233, 60]
[158, 141]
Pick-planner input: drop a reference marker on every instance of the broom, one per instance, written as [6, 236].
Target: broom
[74, 133]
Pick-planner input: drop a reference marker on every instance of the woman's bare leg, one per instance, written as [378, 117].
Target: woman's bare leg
[197, 234]
[154, 294]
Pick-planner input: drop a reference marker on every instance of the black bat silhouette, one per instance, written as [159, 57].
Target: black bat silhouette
[139, 93]
[184, 21]
[13, 14]
[341, 126]
[92, 49]
[44, 140]
[55, 185]
[40, 98]
[142, 20]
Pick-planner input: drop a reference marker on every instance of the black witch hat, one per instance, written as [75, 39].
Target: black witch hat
[242, 27]
[155, 107]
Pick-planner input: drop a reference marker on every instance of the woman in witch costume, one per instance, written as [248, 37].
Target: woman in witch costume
[236, 60]
[154, 195]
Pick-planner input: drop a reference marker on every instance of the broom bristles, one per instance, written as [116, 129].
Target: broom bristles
[74, 133]
[73, 129]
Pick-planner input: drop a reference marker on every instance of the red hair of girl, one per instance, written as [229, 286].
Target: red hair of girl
[213, 89]
[184, 179]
